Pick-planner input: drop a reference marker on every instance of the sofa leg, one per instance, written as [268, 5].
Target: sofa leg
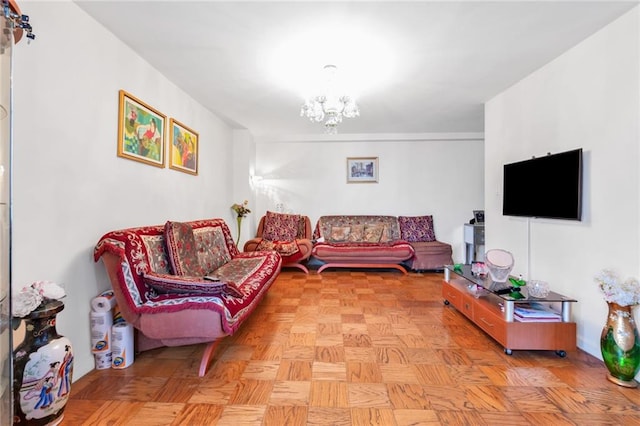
[363, 265]
[297, 265]
[207, 355]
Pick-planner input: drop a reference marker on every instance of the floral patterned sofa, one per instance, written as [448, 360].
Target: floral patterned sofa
[350, 241]
[288, 234]
[158, 278]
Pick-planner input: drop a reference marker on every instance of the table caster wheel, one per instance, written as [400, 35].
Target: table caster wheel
[446, 302]
[507, 351]
[561, 354]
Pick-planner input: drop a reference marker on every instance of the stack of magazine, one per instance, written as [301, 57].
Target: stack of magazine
[535, 313]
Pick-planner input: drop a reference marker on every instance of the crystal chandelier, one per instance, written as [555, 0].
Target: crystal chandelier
[330, 107]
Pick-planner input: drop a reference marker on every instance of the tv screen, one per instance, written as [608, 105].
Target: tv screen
[545, 187]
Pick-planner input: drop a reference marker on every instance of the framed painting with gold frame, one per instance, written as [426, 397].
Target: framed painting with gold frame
[362, 169]
[184, 148]
[141, 131]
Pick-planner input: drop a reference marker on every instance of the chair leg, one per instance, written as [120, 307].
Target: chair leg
[206, 356]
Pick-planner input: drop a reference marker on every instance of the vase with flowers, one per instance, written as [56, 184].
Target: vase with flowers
[43, 362]
[619, 342]
[241, 211]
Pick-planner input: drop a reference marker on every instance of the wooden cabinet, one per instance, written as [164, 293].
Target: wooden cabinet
[487, 312]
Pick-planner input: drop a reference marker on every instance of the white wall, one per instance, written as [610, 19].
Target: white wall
[69, 186]
[588, 98]
[244, 157]
[439, 175]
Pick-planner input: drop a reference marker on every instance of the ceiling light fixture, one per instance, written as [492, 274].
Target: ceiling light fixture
[331, 106]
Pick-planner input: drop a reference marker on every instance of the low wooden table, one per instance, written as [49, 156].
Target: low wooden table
[476, 297]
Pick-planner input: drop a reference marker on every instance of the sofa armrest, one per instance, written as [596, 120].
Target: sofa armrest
[305, 245]
[112, 265]
[252, 244]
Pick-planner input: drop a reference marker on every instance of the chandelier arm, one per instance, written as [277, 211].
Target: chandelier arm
[328, 107]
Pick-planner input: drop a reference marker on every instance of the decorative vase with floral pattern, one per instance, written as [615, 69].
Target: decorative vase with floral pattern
[620, 346]
[43, 369]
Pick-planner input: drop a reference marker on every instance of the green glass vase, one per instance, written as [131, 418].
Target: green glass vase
[239, 227]
[620, 346]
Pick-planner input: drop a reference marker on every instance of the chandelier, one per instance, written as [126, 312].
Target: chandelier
[330, 107]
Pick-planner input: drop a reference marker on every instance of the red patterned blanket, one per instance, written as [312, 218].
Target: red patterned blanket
[143, 250]
[289, 250]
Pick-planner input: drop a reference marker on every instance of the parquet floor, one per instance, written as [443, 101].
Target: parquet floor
[355, 348]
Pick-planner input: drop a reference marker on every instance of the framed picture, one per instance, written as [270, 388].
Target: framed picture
[478, 215]
[184, 148]
[362, 169]
[140, 131]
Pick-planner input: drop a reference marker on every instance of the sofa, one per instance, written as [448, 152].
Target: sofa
[288, 234]
[360, 241]
[158, 277]
[429, 253]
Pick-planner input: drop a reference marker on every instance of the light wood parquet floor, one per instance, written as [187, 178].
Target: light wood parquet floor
[355, 348]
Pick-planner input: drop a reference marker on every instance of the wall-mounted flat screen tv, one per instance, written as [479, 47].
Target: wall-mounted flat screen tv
[544, 187]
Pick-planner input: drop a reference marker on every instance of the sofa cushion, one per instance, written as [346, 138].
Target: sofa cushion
[212, 248]
[182, 249]
[325, 223]
[339, 233]
[346, 252]
[302, 228]
[165, 283]
[288, 250]
[372, 233]
[280, 226]
[430, 255]
[356, 234]
[387, 234]
[416, 228]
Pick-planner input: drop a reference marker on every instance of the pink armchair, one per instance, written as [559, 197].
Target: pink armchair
[288, 234]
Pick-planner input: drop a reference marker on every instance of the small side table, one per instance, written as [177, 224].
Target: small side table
[473, 239]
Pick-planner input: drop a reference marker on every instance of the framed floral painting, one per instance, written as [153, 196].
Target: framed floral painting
[141, 131]
[362, 169]
[184, 148]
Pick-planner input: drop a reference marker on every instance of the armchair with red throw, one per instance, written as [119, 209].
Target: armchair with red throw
[157, 275]
[287, 234]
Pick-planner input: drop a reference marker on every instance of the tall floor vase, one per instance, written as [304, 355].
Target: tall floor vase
[620, 346]
[43, 368]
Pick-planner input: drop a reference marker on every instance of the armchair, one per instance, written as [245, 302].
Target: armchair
[287, 234]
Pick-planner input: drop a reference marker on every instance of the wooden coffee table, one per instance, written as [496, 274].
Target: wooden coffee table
[480, 300]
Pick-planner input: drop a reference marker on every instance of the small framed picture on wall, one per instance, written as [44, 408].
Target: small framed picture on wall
[478, 215]
[362, 169]
[184, 148]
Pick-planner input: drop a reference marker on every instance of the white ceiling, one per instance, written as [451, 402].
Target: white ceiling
[443, 59]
